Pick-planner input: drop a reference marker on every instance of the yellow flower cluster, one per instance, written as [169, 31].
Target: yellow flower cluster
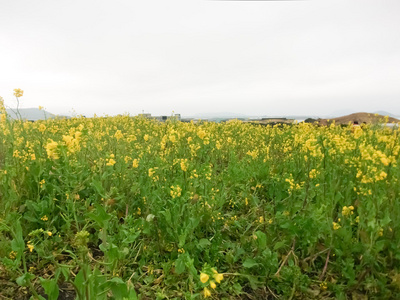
[135, 163]
[347, 210]
[204, 278]
[184, 164]
[52, 149]
[30, 246]
[111, 161]
[72, 142]
[336, 226]
[176, 191]
[18, 93]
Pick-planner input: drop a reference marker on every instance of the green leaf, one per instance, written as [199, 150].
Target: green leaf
[132, 295]
[119, 289]
[261, 239]
[98, 187]
[203, 243]
[279, 245]
[79, 279]
[50, 288]
[182, 240]
[100, 217]
[249, 263]
[25, 279]
[180, 264]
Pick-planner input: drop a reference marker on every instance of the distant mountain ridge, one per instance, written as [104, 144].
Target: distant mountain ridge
[30, 114]
[359, 118]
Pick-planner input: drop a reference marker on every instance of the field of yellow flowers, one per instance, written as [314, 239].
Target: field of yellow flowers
[130, 208]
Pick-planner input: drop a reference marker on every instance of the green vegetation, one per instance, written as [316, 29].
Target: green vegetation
[128, 208]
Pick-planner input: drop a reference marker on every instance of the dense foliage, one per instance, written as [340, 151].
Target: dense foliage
[132, 208]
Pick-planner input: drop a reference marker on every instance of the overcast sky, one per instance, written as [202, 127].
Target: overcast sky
[311, 57]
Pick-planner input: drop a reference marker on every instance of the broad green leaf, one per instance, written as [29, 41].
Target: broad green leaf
[50, 287]
[249, 263]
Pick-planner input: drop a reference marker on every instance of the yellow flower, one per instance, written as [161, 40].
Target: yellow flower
[118, 135]
[176, 191]
[30, 246]
[213, 285]
[12, 255]
[184, 164]
[110, 162]
[336, 226]
[151, 172]
[135, 163]
[49, 233]
[18, 93]
[206, 292]
[42, 182]
[44, 218]
[201, 134]
[42, 127]
[51, 149]
[218, 277]
[347, 210]
[204, 277]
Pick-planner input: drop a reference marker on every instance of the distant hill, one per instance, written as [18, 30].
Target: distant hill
[358, 118]
[385, 113]
[31, 114]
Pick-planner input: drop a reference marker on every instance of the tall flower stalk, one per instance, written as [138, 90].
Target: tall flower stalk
[18, 93]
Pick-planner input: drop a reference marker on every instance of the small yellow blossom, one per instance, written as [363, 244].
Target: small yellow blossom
[336, 226]
[18, 93]
[12, 255]
[201, 134]
[380, 233]
[110, 162]
[30, 246]
[42, 182]
[51, 149]
[347, 210]
[42, 127]
[44, 218]
[206, 292]
[204, 277]
[135, 163]
[218, 277]
[118, 135]
[213, 285]
[184, 165]
[176, 191]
